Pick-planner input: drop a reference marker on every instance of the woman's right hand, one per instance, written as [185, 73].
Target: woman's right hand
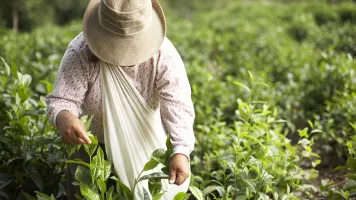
[71, 129]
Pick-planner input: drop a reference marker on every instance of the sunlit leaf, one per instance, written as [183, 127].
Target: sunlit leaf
[197, 193]
[155, 175]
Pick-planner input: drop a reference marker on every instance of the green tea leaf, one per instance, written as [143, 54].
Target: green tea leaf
[7, 67]
[250, 185]
[150, 165]
[196, 192]
[250, 75]
[89, 193]
[5, 182]
[102, 185]
[36, 177]
[262, 84]
[159, 153]
[78, 161]
[106, 171]
[100, 154]
[29, 197]
[128, 193]
[349, 185]
[303, 133]
[155, 175]
[351, 176]
[180, 196]
[49, 86]
[82, 175]
[158, 196]
[154, 186]
[165, 170]
[14, 71]
[95, 167]
[41, 196]
[242, 86]
[109, 193]
[213, 188]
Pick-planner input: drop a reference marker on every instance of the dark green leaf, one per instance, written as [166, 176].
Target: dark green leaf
[349, 185]
[154, 186]
[3, 194]
[36, 177]
[109, 193]
[4, 184]
[29, 197]
[351, 176]
[159, 153]
[128, 193]
[165, 170]
[82, 174]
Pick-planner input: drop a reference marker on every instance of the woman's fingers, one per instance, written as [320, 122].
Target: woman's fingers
[179, 169]
[180, 178]
[74, 137]
[67, 139]
[71, 128]
[81, 135]
[177, 177]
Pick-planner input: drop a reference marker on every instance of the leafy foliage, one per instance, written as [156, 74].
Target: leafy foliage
[273, 86]
[31, 159]
[93, 177]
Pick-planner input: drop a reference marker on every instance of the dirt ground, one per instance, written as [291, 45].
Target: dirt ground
[329, 175]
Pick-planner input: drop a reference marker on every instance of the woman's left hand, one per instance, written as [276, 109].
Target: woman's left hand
[179, 169]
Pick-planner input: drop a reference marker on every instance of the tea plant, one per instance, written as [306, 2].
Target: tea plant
[348, 190]
[93, 177]
[31, 160]
[253, 159]
[310, 73]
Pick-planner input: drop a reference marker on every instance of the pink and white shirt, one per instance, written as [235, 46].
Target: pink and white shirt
[78, 90]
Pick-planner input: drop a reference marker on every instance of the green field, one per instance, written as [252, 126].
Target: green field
[274, 90]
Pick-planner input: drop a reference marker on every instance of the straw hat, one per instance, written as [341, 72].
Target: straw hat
[124, 32]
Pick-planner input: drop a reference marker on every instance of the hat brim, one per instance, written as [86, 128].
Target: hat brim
[123, 50]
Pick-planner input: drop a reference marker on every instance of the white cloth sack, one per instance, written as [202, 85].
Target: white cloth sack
[132, 131]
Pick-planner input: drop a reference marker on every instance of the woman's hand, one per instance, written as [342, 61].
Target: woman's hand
[179, 169]
[71, 129]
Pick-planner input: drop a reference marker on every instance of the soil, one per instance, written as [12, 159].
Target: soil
[327, 174]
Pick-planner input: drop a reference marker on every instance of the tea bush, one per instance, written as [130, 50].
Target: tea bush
[31, 160]
[302, 60]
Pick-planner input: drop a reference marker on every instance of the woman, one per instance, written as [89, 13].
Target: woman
[127, 36]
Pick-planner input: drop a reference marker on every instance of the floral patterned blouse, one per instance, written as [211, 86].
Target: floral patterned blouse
[78, 90]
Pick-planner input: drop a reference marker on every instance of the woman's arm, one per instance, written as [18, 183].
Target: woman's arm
[65, 101]
[177, 110]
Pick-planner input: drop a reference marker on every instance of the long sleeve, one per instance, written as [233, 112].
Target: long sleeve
[176, 106]
[70, 86]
